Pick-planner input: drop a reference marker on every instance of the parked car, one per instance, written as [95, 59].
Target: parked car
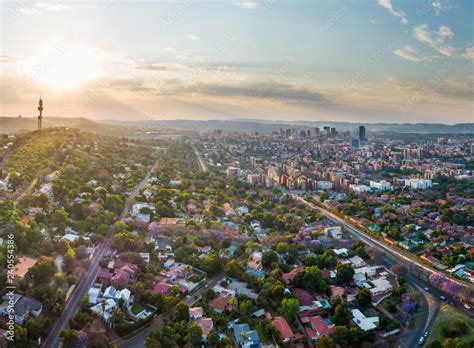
[426, 289]
[421, 340]
[442, 297]
[467, 306]
[426, 334]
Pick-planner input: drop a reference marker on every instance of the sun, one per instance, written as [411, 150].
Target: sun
[65, 69]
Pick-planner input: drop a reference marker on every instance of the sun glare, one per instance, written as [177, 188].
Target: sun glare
[69, 69]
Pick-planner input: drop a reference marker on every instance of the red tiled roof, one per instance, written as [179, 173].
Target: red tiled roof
[282, 325]
[304, 296]
[104, 273]
[321, 326]
[220, 302]
[288, 277]
[338, 291]
[161, 288]
[206, 325]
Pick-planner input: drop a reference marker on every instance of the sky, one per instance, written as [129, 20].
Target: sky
[350, 60]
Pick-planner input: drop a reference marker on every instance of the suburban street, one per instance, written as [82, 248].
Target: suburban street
[73, 303]
[429, 295]
[138, 340]
[202, 165]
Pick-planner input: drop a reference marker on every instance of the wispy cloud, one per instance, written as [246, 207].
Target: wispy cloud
[469, 53]
[387, 4]
[52, 6]
[246, 4]
[193, 37]
[412, 55]
[5, 58]
[435, 38]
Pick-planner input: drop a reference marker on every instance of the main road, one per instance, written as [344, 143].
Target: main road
[53, 340]
[201, 163]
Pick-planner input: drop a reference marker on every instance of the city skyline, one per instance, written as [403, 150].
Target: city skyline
[348, 61]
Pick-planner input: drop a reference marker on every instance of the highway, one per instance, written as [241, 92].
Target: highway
[86, 281]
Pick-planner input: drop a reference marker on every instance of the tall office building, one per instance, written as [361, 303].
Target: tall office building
[362, 133]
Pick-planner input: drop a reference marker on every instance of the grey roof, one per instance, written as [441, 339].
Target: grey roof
[27, 304]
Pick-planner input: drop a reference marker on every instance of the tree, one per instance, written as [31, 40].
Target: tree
[153, 340]
[246, 307]
[194, 335]
[341, 316]
[290, 308]
[344, 273]
[68, 336]
[182, 312]
[212, 339]
[311, 279]
[363, 298]
[325, 342]
[268, 258]
[43, 270]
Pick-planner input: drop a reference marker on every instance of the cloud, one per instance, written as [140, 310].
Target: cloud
[435, 38]
[437, 5]
[279, 91]
[52, 6]
[36, 8]
[246, 4]
[29, 11]
[5, 58]
[162, 66]
[193, 37]
[440, 7]
[469, 53]
[436, 87]
[387, 4]
[411, 54]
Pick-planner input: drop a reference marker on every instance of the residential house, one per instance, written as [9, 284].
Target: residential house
[23, 307]
[317, 326]
[284, 328]
[245, 337]
[222, 302]
[288, 277]
[365, 323]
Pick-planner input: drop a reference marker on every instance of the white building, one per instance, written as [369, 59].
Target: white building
[381, 286]
[334, 232]
[364, 322]
[324, 185]
[418, 184]
[359, 188]
[380, 185]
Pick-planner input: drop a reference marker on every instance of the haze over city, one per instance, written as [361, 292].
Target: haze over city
[356, 61]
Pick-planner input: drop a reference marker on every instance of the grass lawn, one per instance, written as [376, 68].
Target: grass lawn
[136, 308]
[446, 317]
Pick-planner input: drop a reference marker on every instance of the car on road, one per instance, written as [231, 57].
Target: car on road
[442, 297]
[467, 306]
[421, 340]
[426, 289]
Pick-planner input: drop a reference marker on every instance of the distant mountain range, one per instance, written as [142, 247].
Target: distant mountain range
[269, 126]
[15, 124]
[19, 124]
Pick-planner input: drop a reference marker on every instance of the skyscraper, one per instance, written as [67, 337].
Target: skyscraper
[362, 133]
